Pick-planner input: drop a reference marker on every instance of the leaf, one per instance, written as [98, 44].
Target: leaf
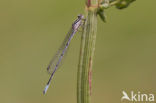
[124, 4]
[101, 13]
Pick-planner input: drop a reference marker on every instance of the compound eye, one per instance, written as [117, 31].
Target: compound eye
[79, 16]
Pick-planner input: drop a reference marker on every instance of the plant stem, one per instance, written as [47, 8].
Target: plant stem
[94, 8]
[86, 55]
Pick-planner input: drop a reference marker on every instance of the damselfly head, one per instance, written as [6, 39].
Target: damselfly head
[80, 16]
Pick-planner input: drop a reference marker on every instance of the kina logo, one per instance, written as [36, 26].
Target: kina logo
[137, 97]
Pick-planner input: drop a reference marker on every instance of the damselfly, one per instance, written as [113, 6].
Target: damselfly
[53, 66]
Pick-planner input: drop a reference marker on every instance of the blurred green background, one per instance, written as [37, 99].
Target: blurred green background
[32, 30]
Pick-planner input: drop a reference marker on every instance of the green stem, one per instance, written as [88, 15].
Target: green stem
[88, 45]
[86, 56]
[114, 3]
